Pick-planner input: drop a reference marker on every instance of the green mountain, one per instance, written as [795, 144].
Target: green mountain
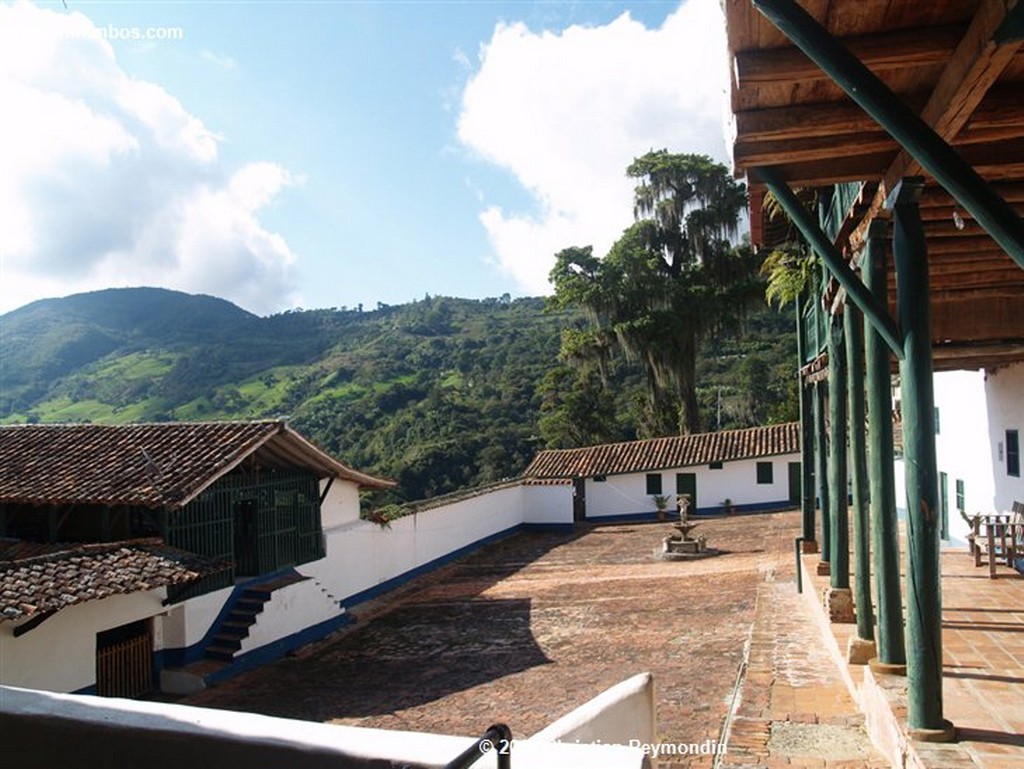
[438, 394]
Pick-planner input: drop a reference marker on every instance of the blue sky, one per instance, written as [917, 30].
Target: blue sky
[327, 154]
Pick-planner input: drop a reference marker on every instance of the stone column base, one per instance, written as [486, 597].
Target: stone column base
[824, 568]
[859, 651]
[887, 668]
[809, 546]
[839, 604]
[945, 733]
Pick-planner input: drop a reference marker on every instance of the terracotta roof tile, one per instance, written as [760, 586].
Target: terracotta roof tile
[146, 465]
[36, 578]
[665, 453]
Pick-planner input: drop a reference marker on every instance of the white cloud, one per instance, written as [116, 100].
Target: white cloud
[107, 180]
[566, 113]
[225, 62]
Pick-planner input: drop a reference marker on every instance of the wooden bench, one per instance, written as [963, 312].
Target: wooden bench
[997, 537]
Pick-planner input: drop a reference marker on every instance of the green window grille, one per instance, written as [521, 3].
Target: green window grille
[258, 524]
[654, 483]
[205, 526]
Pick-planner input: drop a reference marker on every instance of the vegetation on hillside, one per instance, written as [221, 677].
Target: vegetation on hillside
[438, 394]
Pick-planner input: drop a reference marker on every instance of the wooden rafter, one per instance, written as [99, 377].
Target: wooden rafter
[880, 52]
[971, 72]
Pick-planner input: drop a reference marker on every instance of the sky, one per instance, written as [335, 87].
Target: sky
[321, 154]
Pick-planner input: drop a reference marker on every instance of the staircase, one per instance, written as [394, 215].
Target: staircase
[227, 639]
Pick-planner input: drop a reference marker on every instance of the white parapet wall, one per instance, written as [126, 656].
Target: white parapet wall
[621, 715]
[44, 730]
[547, 503]
[363, 557]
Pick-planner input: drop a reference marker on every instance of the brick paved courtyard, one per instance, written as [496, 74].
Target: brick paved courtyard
[528, 629]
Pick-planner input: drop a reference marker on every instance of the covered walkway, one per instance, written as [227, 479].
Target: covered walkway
[982, 671]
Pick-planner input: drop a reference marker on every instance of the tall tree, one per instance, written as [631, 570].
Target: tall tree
[671, 279]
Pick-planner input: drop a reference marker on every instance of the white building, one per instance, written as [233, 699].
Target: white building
[757, 468]
[129, 551]
[979, 421]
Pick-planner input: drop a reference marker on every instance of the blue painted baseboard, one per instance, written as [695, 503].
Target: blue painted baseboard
[560, 528]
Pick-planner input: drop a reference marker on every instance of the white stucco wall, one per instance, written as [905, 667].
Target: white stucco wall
[975, 410]
[362, 555]
[1005, 402]
[963, 449]
[622, 715]
[291, 609]
[341, 504]
[187, 622]
[547, 503]
[60, 654]
[737, 481]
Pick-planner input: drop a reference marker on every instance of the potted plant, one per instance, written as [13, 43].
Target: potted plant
[661, 503]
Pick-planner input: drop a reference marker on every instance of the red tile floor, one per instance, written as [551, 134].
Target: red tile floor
[527, 629]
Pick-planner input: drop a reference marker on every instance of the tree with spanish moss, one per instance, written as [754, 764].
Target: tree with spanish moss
[672, 279]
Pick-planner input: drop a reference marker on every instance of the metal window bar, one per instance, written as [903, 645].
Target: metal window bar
[497, 739]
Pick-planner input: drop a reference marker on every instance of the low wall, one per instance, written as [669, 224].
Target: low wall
[621, 715]
[39, 729]
[365, 558]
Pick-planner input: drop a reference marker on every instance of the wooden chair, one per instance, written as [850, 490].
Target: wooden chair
[1017, 535]
[997, 537]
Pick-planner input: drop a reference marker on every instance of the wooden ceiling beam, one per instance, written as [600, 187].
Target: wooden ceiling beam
[962, 295]
[995, 118]
[974, 67]
[828, 171]
[1003, 271]
[973, 70]
[880, 52]
[753, 153]
[962, 245]
[802, 121]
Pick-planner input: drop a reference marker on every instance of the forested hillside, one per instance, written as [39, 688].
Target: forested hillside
[438, 394]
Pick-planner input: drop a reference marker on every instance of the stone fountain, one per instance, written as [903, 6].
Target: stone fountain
[681, 545]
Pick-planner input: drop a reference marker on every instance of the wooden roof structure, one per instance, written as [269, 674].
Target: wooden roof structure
[959, 66]
[154, 465]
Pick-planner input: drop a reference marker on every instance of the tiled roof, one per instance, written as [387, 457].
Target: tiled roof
[147, 465]
[36, 578]
[666, 453]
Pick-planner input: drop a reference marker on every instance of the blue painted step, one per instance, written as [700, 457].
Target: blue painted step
[242, 616]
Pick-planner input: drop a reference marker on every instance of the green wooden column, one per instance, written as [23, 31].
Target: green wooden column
[806, 436]
[924, 598]
[853, 322]
[838, 515]
[892, 656]
[821, 470]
